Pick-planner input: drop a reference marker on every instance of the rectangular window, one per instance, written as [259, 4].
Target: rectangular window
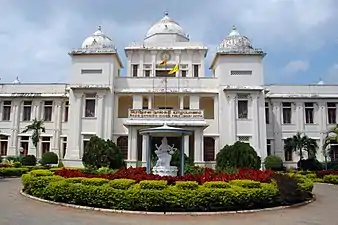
[268, 146]
[309, 111]
[242, 107]
[196, 71]
[240, 72]
[64, 146]
[47, 110]
[147, 73]
[331, 113]
[145, 103]
[66, 112]
[287, 112]
[24, 144]
[3, 145]
[27, 110]
[45, 145]
[183, 73]
[90, 105]
[135, 70]
[91, 71]
[267, 113]
[245, 139]
[6, 110]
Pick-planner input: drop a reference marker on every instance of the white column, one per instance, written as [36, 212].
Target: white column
[132, 146]
[298, 118]
[150, 102]
[153, 59]
[99, 116]
[129, 66]
[177, 60]
[181, 101]
[322, 120]
[109, 114]
[232, 118]
[145, 146]
[277, 130]
[255, 124]
[186, 144]
[13, 150]
[141, 69]
[216, 112]
[202, 69]
[57, 118]
[198, 158]
[75, 115]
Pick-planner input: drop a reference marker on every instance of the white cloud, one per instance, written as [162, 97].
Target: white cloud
[296, 66]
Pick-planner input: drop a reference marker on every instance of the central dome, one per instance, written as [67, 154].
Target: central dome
[166, 30]
[98, 40]
[235, 42]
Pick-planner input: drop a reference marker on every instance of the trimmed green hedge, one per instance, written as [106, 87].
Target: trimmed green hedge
[18, 172]
[154, 195]
[332, 179]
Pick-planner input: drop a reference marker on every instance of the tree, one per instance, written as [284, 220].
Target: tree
[331, 138]
[301, 142]
[36, 127]
[238, 155]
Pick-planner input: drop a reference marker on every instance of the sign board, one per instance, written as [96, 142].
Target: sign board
[26, 94]
[189, 114]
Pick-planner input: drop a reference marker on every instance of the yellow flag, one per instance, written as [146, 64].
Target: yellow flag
[174, 70]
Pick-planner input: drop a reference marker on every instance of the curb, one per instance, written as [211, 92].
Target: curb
[166, 213]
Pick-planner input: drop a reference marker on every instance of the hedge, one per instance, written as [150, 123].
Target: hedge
[18, 172]
[154, 195]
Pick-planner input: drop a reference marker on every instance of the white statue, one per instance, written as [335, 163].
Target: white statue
[164, 152]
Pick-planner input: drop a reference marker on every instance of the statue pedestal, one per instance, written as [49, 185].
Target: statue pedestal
[165, 171]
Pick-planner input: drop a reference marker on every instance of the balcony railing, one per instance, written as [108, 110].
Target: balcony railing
[166, 114]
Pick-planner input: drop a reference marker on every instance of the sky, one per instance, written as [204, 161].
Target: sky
[299, 36]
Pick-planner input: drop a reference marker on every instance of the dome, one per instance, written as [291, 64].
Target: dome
[166, 29]
[235, 42]
[321, 82]
[16, 81]
[98, 40]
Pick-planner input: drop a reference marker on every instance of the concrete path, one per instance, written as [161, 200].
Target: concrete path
[15, 209]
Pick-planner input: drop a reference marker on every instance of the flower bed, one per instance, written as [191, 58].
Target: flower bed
[161, 195]
[139, 174]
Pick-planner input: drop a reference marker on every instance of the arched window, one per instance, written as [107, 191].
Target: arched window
[209, 149]
[3, 145]
[122, 143]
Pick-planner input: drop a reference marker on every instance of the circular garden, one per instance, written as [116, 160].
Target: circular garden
[103, 183]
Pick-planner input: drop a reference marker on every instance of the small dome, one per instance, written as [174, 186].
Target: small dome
[235, 42]
[168, 29]
[17, 81]
[321, 82]
[98, 40]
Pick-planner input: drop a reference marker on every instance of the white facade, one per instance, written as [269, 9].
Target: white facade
[232, 104]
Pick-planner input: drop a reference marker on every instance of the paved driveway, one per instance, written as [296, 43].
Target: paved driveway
[15, 209]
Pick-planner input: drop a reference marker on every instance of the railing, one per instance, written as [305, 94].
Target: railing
[166, 114]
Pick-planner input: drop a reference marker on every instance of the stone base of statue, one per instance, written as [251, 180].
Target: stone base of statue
[165, 171]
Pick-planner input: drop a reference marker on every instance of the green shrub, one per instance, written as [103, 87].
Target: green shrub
[333, 165]
[12, 172]
[238, 155]
[310, 164]
[53, 169]
[94, 181]
[100, 153]
[153, 184]
[216, 184]
[186, 185]
[332, 179]
[246, 183]
[106, 170]
[273, 162]
[122, 184]
[28, 160]
[39, 173]
[145, 197]
[49, 158]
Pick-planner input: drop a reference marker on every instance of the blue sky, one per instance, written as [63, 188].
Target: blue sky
[300, 36]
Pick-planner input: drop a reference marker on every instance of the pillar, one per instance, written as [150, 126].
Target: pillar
[57, 118]
[145, 148]
[255, 124]
[186, 144]
[132, 147]
[198, 158]
[99, 116]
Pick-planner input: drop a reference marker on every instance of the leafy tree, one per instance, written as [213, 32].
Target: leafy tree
[36, 127]
[238, 155]
[100, 153]
[301, 142]
[331, 138]
[273, 162]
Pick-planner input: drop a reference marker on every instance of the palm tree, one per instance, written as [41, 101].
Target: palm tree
[301, 142]
[36, 127]
[331, 138]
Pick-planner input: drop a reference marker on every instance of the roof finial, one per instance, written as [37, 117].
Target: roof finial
[166, 13]
[234, 27]
[99, 27]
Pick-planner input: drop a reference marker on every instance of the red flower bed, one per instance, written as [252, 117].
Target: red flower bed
[4, 165]
[138, 174]
[322, 173]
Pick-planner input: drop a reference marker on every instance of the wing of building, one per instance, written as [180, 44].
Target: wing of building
[232, 104]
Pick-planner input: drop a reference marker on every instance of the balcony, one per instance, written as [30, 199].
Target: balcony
[166, 114]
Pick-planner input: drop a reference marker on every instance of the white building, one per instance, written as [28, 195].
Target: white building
[232, 104]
